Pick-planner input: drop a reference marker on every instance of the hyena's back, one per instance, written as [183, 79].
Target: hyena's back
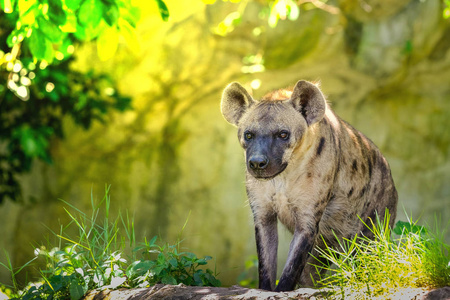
[363, 186]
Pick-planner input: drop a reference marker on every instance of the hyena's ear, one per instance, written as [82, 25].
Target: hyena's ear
[309, 101]
[235, 101]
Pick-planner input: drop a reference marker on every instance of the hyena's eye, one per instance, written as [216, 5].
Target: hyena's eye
[283, 134]
[248, 135]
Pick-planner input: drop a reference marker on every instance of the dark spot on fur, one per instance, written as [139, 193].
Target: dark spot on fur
[363, 168]
[350, 192]
[355, 166]
[316, 206]
[374, 156]
[363, 191]
[331, 197]
[309, 174]
[321, 144]
[369, 162]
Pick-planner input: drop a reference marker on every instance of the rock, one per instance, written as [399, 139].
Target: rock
[181, 291]
[438, 294]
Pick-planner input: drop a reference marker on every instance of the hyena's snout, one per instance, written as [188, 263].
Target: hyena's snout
[258, 162]
[262, 166]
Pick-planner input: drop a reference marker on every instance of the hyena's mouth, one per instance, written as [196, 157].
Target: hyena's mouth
[266, 174]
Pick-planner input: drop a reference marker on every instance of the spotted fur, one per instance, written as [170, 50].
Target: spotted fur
[308, 169]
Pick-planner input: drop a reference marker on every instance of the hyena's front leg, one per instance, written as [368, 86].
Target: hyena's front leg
[315, 267]
[301, 245]
[266, 246]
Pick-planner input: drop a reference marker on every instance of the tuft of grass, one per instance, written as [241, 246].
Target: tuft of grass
[414, 258]
[104, 254]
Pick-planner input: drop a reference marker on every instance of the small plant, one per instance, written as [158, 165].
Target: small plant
[169, 267]
[249, 277]
[105, 255]
[414, 258]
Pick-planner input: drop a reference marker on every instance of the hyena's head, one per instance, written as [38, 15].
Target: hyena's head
[269, 130]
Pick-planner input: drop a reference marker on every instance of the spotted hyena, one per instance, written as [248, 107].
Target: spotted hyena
[309, 169]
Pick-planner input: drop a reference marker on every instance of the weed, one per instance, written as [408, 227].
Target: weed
[97, 258]
[372, 267]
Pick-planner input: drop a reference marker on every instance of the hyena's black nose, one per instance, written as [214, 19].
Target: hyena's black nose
[258, 162]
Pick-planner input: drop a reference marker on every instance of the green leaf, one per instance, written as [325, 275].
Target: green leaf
[28, 17]
[7, 5]
[90, 13]
[51, 31]
[129, 34]
[131, 15]
[70, 25]
[152, 241]
[173, 262]
[139, 268]
[13, 37]
[402, 227]
[25, 5]
[56, 12]
[163, 10]
[76, 290]
[198, 279]
[161, 260]
[212, 280]
[111, 14]
[73, 4]
[168, 279]
[41, 48]
[107, 43]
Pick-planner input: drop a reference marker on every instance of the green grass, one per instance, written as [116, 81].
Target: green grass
[104, 254]
[364, 268]
[408, 256]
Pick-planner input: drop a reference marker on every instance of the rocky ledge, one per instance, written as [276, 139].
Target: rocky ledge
[181, 292]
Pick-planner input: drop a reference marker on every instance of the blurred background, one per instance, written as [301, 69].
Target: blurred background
[132, 99]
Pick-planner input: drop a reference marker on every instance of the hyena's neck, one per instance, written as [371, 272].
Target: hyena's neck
[304, 151]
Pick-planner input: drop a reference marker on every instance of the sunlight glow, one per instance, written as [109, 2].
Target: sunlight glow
[49, 87]
[22, 93]
[255, 84]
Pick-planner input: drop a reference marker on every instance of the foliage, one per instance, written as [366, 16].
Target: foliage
[49, 29]
[37, 87]
[31, 120]
[273, 12]
[97, 259]
[249, 277]
[415, 258]
[169, 267]
[446, 12]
